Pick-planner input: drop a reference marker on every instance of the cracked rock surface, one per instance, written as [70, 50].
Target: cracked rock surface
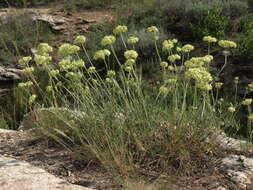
[19, 175]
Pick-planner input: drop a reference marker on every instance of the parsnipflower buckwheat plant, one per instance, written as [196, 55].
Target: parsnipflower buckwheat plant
[181, 102]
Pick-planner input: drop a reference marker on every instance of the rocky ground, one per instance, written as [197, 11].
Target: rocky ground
[232, 170]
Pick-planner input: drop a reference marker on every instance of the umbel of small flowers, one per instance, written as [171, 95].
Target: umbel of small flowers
[80, 40]
[108, 40]
[67, 49]
[119, 30]
[201, 76]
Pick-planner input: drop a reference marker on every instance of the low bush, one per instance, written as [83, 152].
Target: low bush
[213, 23]
[245, 48]
[127, 123]
[18, 34]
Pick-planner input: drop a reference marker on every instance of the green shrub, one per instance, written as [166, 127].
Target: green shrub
[23, 3]
[3, 123]
[213, 23]
[246, 23]
[245, 47]
[126, 123]
[18, 34]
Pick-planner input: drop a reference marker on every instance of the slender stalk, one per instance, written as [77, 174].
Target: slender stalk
[157, 51]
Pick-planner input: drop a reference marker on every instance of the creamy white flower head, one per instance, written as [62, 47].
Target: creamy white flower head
[28, 70]
[152, 29]
[209, 39]
[231, 109]
[25, 84]
[107, 52]
[131, 54]
[132, 40]
[129, 62]
[43, 49]
[42, 60]
[108, 40]
[66, 50]
[80, 40]
[25, 60]
[250, 117]
[54, 73]
[119, 29]
[164, 64]
[187, 48]
[100, 54]
[92, 70]
[32, 99]
[167, 45]
[226, 44]
[247, 101]
[163, 90]
[111, 73]
[174, 57]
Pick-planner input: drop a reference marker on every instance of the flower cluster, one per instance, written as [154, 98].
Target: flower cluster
[231, 109]
[28, 70]
[227, 44]
[66, 50]
[207, 59]
[108, 40]
[44, 49]
[163, 90]
[167, 45]
[152, 29]
[101, 54]
[164, 64]
[32, 99]
[25, 84]
[111, 73]
[25, 60]
[218, 85]
[171, 81]
[42, 59]
[131, 54]
[92, 70]
[250, 117]
[49, 88]
[129, 62]
[132, 40]
[119, 29]
[247, 101]
[236, 80]
[67, 64]
[187, 48]
[174, 57]
[80, 40]
[209, 39]
[194, 62]
[74, 75]
[201, 76]
[250, 87]
[54, 73]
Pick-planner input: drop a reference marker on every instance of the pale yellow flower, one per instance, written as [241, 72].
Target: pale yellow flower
[108, 40]
[80, 40]
[227, 44]
[209, 39]
[120, 29]
[132, 40]
[247, 101]
[131, 54]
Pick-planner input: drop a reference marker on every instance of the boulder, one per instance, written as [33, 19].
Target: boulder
[17, 175]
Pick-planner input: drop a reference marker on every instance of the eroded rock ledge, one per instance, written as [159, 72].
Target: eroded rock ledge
[19, 175]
